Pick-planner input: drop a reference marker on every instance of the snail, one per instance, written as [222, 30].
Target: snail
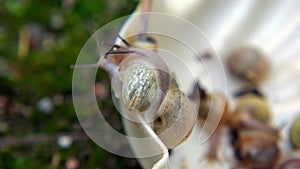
[255, 142]
[213, 105]
[248, 63]
[256, 105]
[141, 82]
[295, 133]
[289, 161]
[256, 149]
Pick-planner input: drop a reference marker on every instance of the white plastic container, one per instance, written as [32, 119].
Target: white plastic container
[271, 26]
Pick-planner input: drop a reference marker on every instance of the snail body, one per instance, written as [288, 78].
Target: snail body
[141, 82]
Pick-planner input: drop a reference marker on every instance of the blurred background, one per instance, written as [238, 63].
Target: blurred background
[39, 41]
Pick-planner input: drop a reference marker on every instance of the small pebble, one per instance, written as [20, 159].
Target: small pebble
[64, 141]
[45, 105]
[57, 21]
[36, 34]
[69, 4]
[48, 41]
[72, 163]
[58, 99]
[204, 55]
[15, 109]
[26, 111]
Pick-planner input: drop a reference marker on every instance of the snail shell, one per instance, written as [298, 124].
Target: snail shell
[289, 161]
[216, 104]
[256, 149]
[248, 64]
[257, 106]
[141, 82]
[177, 117]
[295, 133]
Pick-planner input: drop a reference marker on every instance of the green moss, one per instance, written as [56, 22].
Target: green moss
[45, 71]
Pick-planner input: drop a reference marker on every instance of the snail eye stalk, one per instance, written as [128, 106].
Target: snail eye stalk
[124, 41]
[117, 52]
